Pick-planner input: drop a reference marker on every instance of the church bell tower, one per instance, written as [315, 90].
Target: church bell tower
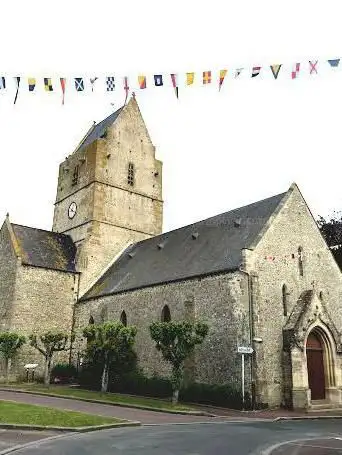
[109, 192]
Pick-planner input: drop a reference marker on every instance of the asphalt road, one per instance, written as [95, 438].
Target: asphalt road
[252, 438]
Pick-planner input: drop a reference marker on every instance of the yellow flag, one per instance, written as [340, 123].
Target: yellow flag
[190, 78]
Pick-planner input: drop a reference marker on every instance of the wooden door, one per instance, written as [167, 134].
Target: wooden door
[314, 354]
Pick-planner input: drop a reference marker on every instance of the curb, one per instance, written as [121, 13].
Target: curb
[15, 426]
[123, 405]
[277, 419]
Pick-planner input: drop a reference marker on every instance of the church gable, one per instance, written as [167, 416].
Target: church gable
[292, 236]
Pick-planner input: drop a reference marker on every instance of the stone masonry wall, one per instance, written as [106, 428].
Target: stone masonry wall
[291, 228]
[221, 301]
[44, 300]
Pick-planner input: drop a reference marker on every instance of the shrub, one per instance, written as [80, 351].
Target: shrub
[224, 395]
[63, 373]
[136, 383]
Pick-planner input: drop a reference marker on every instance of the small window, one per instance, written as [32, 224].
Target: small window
[91, 320]
[300, 261]
[166, 315]
[75, 176]
[130, 176]
[123, 318]
[284, 298]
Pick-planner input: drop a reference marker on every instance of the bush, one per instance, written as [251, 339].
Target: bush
[217, 395]
[63, 373]
[135, 383]
[212, 394]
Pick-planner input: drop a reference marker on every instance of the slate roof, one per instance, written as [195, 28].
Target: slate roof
[50, 250]
[99, 129]
[209, 246]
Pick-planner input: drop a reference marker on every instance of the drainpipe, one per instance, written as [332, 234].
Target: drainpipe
[251, 333]
[73, 314]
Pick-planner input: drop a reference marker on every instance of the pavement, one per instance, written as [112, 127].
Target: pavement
[11, 438]
[305, 437]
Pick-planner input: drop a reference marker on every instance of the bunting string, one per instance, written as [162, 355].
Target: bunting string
[174, 80]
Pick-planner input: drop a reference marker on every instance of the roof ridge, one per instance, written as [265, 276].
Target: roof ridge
[39, 229]
[210, 218]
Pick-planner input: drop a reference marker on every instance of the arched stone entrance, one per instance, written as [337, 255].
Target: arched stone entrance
[312, 360]
[320, 360]
[315, 365]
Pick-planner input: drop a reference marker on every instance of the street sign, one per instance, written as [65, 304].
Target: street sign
[245, 350]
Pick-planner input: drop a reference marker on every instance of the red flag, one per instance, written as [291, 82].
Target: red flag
[126, 87]
[63, 82]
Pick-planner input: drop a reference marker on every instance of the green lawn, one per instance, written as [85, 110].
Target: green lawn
[28, 414]
[110, 397]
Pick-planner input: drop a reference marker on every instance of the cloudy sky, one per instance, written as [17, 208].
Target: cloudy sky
[220, 150]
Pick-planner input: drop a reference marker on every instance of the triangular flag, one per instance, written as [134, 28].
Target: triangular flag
[142, 81]
[334, 63]
[174, 80]
[222, 76]
[126, 88]
[238, 72]
[48, 84]
[256, 71]
[158, 80]
[275, 70]
[17, 84]
[190, 77]
[31, 83]
[63, 82]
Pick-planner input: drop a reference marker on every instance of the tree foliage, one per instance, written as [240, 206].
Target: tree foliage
[176, 341]
[331, 229]
[47, 344]
[110, 343]
[10, 343]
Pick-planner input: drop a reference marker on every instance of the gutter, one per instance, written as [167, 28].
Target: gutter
[73, 317]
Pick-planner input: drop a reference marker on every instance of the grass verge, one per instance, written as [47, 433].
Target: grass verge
[74, 392]
[29, 414]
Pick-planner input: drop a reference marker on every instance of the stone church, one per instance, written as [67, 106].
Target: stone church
[260, 275]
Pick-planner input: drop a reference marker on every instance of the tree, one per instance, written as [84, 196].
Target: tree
[10, 343]
[47, 344]
[176, 341]
[109, 342]
[331, 230]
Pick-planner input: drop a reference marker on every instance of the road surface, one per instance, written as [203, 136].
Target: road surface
[305, 437]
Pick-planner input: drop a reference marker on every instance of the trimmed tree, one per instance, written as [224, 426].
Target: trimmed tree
[48, 344]
[176, 341]
[109, 343]
[10, 343]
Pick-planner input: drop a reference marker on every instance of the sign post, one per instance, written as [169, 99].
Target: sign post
[243, 350]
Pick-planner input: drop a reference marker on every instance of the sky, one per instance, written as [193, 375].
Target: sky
[220, 150]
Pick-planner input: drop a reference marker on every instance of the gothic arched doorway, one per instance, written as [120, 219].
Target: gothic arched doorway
[315, 364]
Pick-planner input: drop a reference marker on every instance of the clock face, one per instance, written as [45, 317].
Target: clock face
[72, 210]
